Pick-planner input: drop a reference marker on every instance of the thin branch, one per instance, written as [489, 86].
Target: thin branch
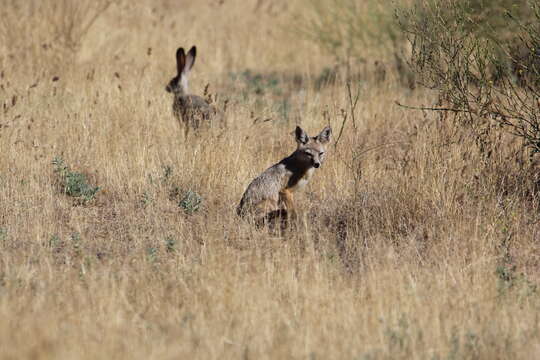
[353, 103]
[377, 147]
[341, 130]
[431, 108]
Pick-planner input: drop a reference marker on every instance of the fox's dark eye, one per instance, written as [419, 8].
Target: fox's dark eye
[321, 153]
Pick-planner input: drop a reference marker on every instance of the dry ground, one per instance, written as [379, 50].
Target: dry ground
[423, 247]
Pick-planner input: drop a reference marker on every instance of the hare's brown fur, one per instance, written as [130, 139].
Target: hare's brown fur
[192, 110]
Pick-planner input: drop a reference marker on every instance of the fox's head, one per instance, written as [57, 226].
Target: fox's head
[312, 150]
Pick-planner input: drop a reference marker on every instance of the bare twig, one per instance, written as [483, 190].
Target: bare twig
[377, 147]
[353, 103]
[344, 115]
[431, 108]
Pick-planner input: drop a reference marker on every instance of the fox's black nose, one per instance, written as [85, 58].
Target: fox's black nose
[316, 165]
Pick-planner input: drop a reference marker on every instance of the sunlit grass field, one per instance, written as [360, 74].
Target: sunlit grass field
[409, 245]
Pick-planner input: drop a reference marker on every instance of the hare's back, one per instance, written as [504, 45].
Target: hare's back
[193, 105]
[193, 101]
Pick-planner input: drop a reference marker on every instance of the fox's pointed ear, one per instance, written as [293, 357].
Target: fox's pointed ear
[180, 60]
[325, 135]
[190, 58]
[301, 136]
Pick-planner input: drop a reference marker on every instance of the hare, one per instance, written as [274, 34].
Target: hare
[192, 110]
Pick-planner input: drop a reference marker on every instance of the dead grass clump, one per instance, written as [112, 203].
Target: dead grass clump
[34, 32]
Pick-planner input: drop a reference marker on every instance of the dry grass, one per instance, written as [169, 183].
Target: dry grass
[440, 258]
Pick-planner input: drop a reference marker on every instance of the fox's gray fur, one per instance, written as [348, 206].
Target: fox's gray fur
[192, 110]
[272, 190]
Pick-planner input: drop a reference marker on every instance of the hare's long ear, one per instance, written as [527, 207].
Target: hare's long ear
[325, 135]
[180, 60]
[302, 137]
[190, 59]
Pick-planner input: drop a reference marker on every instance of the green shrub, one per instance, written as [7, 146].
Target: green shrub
[54, 241]
[170, 244]
[191, 202]
[466, 51]
[73, 183]
[188, 200]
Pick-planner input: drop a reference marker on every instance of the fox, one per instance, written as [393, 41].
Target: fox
[271, 192]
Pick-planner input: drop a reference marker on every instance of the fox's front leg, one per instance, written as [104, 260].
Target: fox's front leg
[187, 125]
[286, 197]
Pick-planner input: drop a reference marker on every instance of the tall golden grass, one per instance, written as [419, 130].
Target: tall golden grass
[411, 244]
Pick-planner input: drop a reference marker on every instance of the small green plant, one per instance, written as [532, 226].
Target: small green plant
[76, 241]
[54, 241]
[170, 244]
[152, 254]
[189, 200]
[73, 183]
[146, 199]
